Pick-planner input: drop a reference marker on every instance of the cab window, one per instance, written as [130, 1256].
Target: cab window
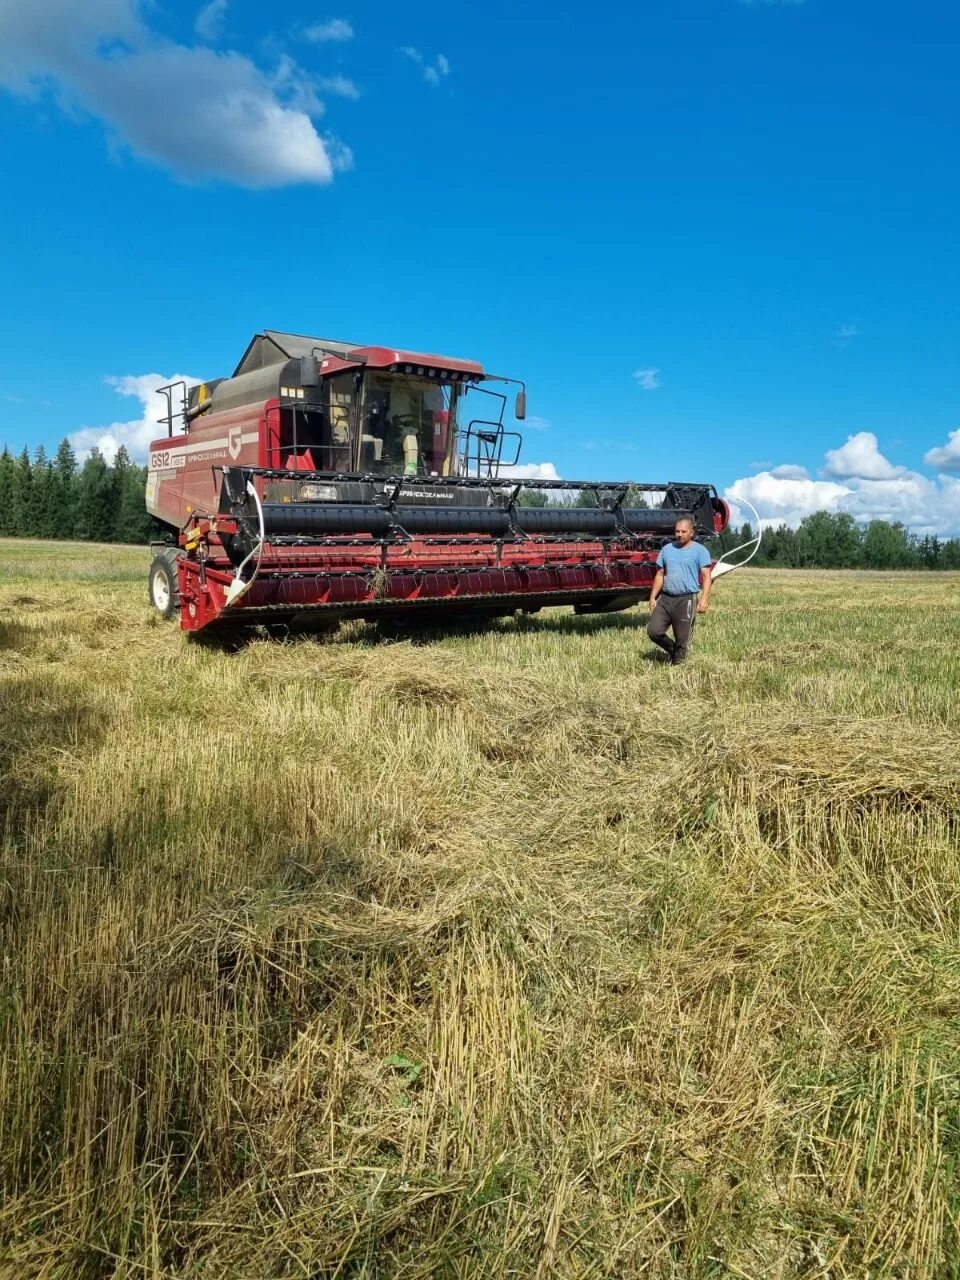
[405, 425]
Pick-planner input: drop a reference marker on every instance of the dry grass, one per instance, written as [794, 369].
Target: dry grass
[503, 954]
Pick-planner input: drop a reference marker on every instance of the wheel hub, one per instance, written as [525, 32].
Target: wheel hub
[160, 590]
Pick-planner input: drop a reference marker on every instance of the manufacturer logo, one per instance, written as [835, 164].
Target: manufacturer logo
[234, 442]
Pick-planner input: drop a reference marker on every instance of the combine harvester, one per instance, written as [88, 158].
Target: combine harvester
[342, 481]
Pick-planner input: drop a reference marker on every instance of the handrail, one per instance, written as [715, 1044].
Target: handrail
[489, 450]
[168, 417]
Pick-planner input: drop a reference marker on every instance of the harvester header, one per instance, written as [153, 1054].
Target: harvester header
[324, 477]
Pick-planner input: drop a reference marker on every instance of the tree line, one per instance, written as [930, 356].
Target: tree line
[834, 540]
[42, 497]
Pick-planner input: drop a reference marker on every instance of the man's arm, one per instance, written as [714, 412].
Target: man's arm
[706, 586]
[656, 588]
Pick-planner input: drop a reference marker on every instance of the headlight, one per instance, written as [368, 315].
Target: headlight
[318, 493]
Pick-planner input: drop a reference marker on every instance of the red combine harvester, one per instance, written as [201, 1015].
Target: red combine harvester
[363, 482]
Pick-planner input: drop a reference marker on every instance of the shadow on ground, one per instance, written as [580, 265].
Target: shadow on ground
[419, 631]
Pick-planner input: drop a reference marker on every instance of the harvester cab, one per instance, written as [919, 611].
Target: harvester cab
[363, 481]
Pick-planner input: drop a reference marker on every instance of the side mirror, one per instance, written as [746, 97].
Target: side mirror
[520, 409]
[308, 372]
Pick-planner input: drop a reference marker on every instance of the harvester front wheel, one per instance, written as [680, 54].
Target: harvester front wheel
[164, 588]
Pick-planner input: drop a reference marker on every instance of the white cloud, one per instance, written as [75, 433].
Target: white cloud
[198, 112]
[535, 423]
[296, 86]
[787, 499]
[860, 458]
[922, 504]
[339, 85]
[945, 457]
[531, 471]
[209, 21]
[341, 157]
[333, 30]
[845, 334]
[787, 471]
[36, 39]
[138, 432]
[432, 72]
[647, 379]
[867, 486]
[220, 117]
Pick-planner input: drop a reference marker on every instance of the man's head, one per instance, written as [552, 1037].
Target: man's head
[683, 531]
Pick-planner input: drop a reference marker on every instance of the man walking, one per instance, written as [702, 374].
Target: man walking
[683, 572]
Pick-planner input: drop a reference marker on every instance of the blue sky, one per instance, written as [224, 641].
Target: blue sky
[719, 239]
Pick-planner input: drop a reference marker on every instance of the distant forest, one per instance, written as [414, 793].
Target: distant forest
[43, 497]
[834, 540]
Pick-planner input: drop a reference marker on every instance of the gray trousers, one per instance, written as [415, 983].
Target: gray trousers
[678, 613]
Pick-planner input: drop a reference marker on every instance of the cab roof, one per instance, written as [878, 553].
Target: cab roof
[274, 347]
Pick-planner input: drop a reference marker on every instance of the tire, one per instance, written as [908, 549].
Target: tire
[163, 585]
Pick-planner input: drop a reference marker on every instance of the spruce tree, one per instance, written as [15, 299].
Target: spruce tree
[94, 505]
[118, 483]
[133, 521]
[934, 551]
[39, 495]
[21, 497]
[63, 492]
[8, 494]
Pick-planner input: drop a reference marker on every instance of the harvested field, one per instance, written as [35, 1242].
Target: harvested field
[510, 953]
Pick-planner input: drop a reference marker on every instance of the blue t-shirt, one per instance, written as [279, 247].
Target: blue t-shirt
[681, 567]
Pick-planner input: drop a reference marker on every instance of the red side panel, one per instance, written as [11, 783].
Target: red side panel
[183, 475]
